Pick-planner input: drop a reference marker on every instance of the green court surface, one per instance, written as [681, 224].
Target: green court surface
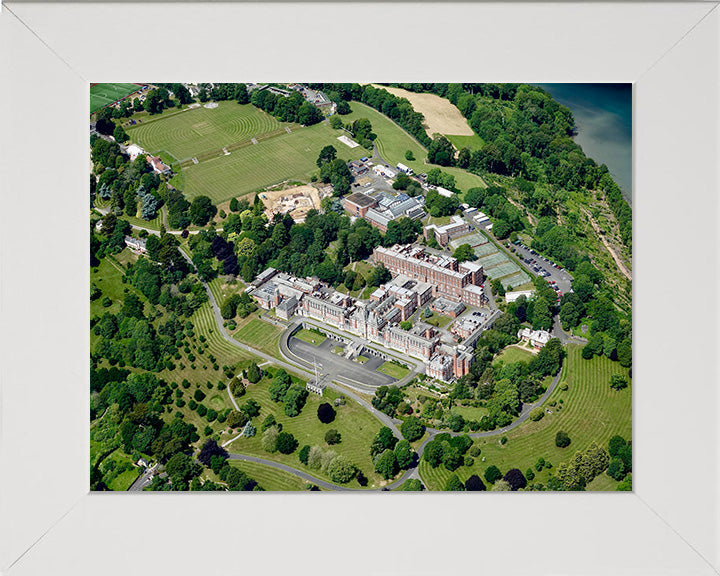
[103, 94]
[485, 250]
[502, 270]
[515, 280]
[492, 260]
[474, 239]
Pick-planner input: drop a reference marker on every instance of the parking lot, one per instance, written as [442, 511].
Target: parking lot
[551, 271]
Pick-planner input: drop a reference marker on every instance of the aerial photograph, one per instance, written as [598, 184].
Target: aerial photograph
[360, 287]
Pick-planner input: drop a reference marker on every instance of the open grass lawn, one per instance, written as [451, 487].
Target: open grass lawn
[260, 334]
[591, 411]
[513, 354]
[470, 412]
[355, 424]
[190, 132]
[392, 143]
[103, 94]
[310, 336]
[124, 480]
[473, 142]
[393, 370]
[270, 478]
[109, 279]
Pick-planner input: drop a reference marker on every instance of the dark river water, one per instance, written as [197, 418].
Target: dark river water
[603, 115]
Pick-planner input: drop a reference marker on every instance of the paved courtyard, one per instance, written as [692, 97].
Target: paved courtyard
[336, 365]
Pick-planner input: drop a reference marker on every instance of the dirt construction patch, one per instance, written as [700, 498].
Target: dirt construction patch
[441, 115]
[296, 201]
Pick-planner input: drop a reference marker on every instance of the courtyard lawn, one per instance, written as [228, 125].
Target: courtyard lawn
[269, 478]
[355, 424]
[394, 370]
[437, 320]
[513, 354]
[591, 411]
[310, 336]
[261, 335]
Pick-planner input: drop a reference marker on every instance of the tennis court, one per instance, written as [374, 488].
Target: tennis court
[502, 270]
[485, 250]
[493, 260]
[103, 94]
[474, 239]
[515, 280]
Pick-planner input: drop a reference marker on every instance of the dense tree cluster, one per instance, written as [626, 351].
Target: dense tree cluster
[293, 396]
[292, 108]
[493, 201]
[338, 467]
[438, 205]
[387, 399]
[447, 450]
[582, 469]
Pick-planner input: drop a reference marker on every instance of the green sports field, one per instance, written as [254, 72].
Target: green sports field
[591, 411]
[195, 131]
[284, 157]
[202, 133]
[104, 94]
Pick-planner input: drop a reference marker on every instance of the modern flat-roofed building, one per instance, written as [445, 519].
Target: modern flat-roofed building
[358, 204]
[447, 307]
[512, 296]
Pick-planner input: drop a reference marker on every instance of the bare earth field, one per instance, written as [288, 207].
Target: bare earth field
[296, 201]
[440, 114]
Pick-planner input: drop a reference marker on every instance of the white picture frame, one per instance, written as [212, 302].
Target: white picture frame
[50, 524]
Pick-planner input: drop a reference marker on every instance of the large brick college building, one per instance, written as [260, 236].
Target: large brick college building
[460, 282]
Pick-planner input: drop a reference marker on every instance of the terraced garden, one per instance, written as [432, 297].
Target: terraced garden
[590, 411]
[261, 335]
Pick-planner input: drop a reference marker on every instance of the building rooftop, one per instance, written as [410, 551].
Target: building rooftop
[361, 199]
